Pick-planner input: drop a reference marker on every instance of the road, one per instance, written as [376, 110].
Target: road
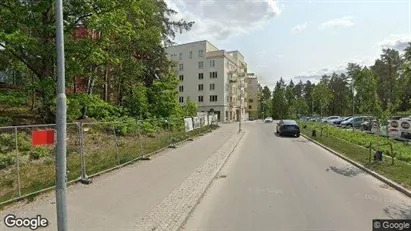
[275, 183]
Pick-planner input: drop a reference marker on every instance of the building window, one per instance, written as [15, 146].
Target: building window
[200, 75]
[212, 86]
[180, 88]
[213, 98]
[181, 99]
[201, 65]
[181, 67]
[180, 56]
[200, 98]
[181, 77]
[200, 87]
[250, 100]
[213, 75]
[212, 63]
[191, 54]
[200, 53]
[249, 107]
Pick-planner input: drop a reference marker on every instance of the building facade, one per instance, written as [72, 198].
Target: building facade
[252, 95]
[209, 77]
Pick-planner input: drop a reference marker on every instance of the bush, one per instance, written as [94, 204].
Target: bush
[38, 152]
[6, 160]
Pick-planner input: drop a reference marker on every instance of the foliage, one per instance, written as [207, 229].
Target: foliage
[190, 109]
[115, 52]
[401, 150]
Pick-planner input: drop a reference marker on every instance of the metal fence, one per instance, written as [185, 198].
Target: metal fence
[27, 153]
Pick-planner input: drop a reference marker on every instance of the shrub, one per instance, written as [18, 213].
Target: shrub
[6, 160]
[38, 152]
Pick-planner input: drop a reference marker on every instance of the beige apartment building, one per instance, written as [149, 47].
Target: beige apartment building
[252, 95]
[213, 78]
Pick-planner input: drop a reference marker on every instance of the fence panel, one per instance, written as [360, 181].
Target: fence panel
[32, 168]
[9, 179]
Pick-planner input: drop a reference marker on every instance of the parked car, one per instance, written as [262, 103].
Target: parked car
[268, 120]
[288, 127]
[330, 119]
[353, 122]
[367, 124]
[338, 121]
[405, 127]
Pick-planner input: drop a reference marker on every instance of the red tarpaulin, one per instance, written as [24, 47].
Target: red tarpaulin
[44, 137]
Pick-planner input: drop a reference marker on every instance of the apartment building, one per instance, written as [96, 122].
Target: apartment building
[210, 77]
[252, 95]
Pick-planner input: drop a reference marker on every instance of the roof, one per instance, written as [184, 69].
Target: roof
[289, 122]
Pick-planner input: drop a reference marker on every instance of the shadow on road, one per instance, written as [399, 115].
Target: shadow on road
[347, 171]
[284, 136]
[398, 212]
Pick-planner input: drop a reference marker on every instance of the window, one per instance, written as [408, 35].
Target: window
[213, 98]
[249, 107]
[212, 86]
[250, 100]
[200, 98]
[201, 65]
[200, 87]
[181, 99]
[200, 75]
[181, 77]
[213, 75]
[212, 63]
[191, 54]
[180, 88]
[181, 67]
[180, 56]
[200, 53]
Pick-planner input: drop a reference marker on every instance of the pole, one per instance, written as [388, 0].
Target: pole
[241, 110]
[61, 124]
[353, 102]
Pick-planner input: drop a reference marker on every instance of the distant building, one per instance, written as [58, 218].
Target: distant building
[252, 95]
[210, 77]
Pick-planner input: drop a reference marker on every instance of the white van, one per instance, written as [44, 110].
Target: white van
[405, 128]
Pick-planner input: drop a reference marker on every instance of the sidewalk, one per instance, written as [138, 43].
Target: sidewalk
[118, 200]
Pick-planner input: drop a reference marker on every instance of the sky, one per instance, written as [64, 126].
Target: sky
[298, 39]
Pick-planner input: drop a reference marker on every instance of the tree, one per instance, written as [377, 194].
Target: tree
[264, 103]
[112, 48]
[190, 109]
[279, 101]
[322, 94]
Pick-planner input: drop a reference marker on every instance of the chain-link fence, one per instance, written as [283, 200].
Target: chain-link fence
[27, 153]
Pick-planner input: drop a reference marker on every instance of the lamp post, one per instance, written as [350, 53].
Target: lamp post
[61, 123]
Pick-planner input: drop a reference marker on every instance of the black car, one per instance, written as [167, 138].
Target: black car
[288, 127]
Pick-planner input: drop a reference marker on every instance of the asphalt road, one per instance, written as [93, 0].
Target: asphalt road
[275, 183]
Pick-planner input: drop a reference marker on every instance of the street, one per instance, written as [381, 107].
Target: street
[275, 183]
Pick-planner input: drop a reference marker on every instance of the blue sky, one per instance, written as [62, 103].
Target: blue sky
[299, 38]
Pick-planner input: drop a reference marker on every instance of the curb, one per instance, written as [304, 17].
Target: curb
[389, 182]
[211, 182]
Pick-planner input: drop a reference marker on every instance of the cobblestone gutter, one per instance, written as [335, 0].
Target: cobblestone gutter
[171, 213]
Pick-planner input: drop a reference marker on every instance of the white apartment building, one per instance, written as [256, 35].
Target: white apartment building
[209, 77]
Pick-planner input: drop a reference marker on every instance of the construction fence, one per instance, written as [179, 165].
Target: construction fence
[27, 153]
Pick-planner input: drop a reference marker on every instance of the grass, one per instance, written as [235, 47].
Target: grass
[399, 171]
[401, 150]
[102, 151]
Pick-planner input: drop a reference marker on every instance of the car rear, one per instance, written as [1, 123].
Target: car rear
[290, 129]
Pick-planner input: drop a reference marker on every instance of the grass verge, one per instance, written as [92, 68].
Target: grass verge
[399, 172]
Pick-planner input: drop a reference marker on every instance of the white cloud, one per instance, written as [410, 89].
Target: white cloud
[219, 20]
[299, 28]
[315, 74]
[346, 21]
[398, 42]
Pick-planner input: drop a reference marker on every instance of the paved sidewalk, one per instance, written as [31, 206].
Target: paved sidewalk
[118, 200]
